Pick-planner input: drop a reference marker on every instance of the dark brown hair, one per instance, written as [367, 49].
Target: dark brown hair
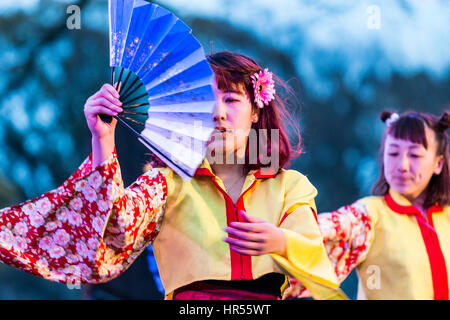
[411, 126]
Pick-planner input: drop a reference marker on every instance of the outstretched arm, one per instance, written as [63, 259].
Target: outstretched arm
[347, 234]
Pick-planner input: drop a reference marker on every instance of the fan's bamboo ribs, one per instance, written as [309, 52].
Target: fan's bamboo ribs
[134, 99]
[128, 126]
[113, 71]
[125, 82]
[118, 82]
[125, 93]
[132, 91]
[136, 113]
[132, 120]
[132, 106]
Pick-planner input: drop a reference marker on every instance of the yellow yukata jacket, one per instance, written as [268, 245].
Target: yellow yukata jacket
[398, 253]
[92, 228]
[189, 246]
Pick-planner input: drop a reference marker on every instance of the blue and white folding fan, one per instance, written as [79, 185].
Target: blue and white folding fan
[170, 70]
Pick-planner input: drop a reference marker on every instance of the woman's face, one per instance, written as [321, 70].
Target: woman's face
[409, 166]
[233, 116]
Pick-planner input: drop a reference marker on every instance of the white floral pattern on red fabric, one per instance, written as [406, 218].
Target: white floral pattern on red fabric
[59, 235]
[347, 234]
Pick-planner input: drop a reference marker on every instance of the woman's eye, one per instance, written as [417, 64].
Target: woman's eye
[416, 156]
[393, 154]
[230, 100]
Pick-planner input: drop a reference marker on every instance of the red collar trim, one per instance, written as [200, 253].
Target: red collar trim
[394, 206]
[436, 208]
[203, 172]
[260, 174]
[265, 173]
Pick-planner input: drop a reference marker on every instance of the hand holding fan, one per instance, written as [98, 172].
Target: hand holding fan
[161, 61]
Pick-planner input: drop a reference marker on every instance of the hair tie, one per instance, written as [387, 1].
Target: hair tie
[264, 87]
[394, 117]
[444, 122]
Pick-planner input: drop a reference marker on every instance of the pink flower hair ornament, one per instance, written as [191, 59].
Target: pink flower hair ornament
[264, 87]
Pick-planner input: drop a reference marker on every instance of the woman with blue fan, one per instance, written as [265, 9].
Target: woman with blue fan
[225, 219]
[230, 197]
[92, 228]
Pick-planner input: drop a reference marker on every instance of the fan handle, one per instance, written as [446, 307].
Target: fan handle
[105, 118]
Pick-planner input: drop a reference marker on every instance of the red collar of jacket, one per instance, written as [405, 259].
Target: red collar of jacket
[397, 203]
[206, 170]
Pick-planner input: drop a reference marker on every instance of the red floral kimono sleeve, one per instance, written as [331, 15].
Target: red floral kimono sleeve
[347, 235]
[88, 230]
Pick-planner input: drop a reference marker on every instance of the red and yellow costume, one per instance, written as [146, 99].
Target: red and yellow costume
[92, 228]
[398, 252]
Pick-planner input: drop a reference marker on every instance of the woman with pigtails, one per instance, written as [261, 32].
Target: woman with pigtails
[232, 232]
[398, 239]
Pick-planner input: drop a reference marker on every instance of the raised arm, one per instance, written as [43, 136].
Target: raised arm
[91, 228]
[105, 101]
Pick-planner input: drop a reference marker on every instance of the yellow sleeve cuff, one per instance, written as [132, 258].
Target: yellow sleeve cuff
[306, 260]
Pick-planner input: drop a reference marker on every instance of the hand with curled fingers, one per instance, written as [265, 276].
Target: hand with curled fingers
[105, 101]
[255, 236]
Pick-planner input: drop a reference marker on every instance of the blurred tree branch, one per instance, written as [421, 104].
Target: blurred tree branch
[20, 73]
